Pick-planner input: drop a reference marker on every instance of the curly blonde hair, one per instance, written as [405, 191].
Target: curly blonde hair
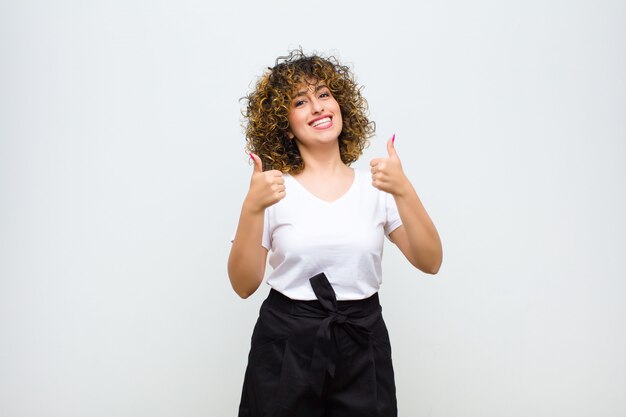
[266, 124]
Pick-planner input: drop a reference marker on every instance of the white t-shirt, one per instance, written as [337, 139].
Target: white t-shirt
[343, 239]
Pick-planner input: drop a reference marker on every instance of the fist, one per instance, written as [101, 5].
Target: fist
[266, 188]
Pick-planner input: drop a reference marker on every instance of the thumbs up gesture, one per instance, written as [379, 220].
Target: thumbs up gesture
[387, 173]
[266, 188]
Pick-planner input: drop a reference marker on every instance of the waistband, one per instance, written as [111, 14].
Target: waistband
[357, 308]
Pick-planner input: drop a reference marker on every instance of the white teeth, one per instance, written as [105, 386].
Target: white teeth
[321, 121]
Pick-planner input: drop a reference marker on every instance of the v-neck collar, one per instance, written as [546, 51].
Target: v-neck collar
[329, 202]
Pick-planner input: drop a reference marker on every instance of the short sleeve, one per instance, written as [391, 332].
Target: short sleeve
[393, 217]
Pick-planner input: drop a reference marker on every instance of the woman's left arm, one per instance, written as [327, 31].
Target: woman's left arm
[417, 238]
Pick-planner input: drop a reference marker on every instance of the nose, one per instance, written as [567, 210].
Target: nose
[316, 106]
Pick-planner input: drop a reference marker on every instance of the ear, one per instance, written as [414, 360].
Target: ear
[290, 135]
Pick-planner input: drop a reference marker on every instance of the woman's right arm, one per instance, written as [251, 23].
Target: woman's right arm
[246, 262]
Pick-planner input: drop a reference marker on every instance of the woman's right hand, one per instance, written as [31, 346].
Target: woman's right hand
[266, 188]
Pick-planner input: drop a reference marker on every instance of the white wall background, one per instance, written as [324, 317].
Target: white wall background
[122, 172]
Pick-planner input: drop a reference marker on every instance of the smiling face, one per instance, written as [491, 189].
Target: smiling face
[314, 115]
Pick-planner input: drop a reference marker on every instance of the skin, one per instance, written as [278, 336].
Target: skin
[327, 177]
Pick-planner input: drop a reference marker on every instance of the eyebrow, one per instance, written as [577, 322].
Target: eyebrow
[317, 88]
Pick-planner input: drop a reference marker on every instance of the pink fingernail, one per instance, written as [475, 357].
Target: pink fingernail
[251, 157]
[393, 139]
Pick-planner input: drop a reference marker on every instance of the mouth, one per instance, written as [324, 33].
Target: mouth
[322, 122]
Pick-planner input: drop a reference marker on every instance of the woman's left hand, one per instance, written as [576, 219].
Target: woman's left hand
[387, 173]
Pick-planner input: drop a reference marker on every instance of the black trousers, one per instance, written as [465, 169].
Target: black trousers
[320, 358]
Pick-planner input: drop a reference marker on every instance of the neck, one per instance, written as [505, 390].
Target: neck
[322, 162]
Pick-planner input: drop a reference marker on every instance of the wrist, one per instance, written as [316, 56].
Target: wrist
[252, 208]
[404, 189]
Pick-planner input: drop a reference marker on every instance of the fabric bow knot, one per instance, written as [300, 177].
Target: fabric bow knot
[324, 352]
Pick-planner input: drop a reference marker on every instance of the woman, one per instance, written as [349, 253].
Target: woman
[320, 346]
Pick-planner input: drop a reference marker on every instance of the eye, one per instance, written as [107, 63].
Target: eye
[298, 103]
